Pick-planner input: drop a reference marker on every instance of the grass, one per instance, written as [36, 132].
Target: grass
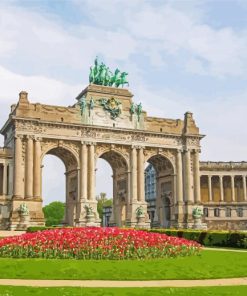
[208, 265]
[202, 291]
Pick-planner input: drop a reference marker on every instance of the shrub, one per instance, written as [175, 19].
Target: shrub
[236, 239]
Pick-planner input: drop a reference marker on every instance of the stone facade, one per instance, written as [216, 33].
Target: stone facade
[102, 123]
[223, 194]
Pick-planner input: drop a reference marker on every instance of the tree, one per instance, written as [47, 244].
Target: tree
[102, 202]
[54, 213]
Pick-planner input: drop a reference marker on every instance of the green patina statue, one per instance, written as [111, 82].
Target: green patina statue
[82, 104]
[101, 75]
[89, 210]
[112, 106]
[91, 104]
[132, 108]
[136, 109]
[139, 212]
[24, 209]
[197, 213]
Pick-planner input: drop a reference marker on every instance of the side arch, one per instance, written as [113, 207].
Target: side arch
[67, 154]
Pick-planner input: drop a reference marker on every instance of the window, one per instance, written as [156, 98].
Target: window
[240, 212]
[228, 212]
[216, 212]
[205, 212]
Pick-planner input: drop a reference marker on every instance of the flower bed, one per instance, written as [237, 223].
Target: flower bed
[96, 243]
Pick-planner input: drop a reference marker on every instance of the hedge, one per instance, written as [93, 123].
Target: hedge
[236, 239]
[41, 228]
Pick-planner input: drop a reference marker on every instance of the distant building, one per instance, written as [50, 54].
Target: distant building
[150, 190]
[107, 211]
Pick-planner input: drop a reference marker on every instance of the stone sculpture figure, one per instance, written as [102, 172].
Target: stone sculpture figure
[139, 212]
[89, 210]
[24, 211]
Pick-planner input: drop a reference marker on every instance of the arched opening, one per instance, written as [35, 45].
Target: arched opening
[53, 189]
[120, 187]
[59, 179]
[159, 190]
[104, 187]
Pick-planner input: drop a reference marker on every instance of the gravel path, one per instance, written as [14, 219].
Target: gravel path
[122, 284]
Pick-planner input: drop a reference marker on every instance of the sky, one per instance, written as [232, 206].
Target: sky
[185, 55]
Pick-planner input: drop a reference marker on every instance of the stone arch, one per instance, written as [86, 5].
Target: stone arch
[120, 167]
[69, 157]
[165, 154]
[103, 150]
[159, 209]
[62, 151]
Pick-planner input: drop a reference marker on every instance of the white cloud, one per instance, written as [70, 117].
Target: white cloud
[40, 88]
[42, 55]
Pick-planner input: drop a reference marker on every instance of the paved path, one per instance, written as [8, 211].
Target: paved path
[224, 250]
[122, 284]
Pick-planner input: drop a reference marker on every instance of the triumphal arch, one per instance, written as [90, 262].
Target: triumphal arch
[103, 121]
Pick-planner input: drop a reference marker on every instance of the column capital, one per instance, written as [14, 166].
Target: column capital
[197, 151]
[186, 150]
[30, 137]
[37, 139]
[138, 147]
[90, 143]
[20, 137]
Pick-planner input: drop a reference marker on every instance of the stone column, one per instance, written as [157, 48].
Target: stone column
[210, 197]
[179, 177]
[18, 172]
[37, 169]
[11, 179]
[29, 169]
[197, 189]
[91, 172]
[233, 188]
[5, 179]
[244, 188]
[188, 191]
[67, 203]
[221, 189]
[140, 172]
[133, 175]
[84, 171]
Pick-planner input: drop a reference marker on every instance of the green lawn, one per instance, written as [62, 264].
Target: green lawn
[212, 291]
[210, 264]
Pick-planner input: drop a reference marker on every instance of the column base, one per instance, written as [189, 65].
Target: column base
[135, 221]
[89, 216]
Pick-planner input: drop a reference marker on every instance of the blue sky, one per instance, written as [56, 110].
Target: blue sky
[180, 56]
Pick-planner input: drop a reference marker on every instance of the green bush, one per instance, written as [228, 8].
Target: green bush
[54, 213]
[236, 239]
[37, 228]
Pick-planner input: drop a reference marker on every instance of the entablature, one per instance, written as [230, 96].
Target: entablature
[77, 132]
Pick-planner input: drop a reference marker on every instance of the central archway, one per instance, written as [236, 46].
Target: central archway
[120, 190]
[160, 190]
